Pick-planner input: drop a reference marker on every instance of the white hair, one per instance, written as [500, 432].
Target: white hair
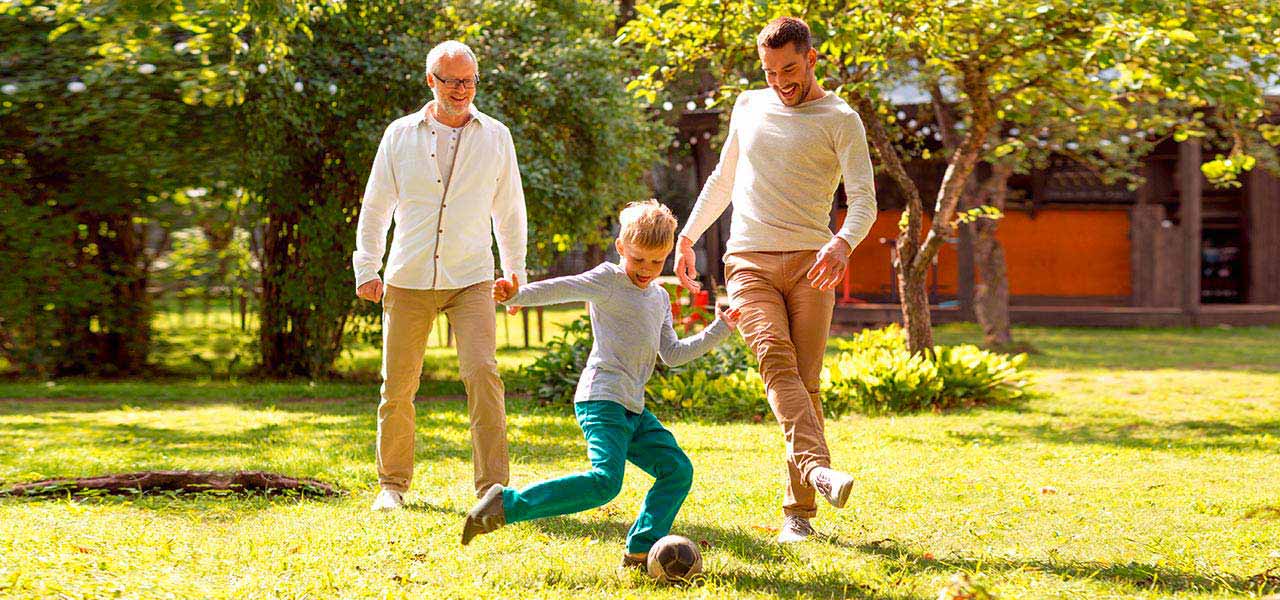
[449, 48]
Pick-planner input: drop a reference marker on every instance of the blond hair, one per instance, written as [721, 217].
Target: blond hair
[647, 225]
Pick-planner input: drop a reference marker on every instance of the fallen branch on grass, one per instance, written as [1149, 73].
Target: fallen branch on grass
[175, 482]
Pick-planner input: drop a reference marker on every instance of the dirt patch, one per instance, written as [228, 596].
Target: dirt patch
[69, 399]
[180, 482]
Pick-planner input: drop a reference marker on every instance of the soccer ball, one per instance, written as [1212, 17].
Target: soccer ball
[674, 558]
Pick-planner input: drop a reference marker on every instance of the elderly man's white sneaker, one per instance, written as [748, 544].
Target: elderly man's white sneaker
[388, 500]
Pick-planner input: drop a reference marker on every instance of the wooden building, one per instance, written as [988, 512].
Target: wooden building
[1177, 251]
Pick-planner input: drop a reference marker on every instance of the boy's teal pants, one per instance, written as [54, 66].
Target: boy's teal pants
[614, 436]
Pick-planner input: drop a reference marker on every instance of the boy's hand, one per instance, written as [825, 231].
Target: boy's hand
[506, 289]
[730, 316]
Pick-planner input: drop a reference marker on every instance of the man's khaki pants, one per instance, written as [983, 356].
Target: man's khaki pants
[785, 321]
[407, 316]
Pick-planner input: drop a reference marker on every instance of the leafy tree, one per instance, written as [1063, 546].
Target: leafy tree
[287, 98]
[1004, 63]
[314, 122]
[87, 147]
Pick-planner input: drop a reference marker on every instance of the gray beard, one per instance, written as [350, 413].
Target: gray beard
[446, 109]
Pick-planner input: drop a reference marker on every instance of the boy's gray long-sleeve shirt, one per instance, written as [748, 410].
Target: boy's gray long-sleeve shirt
[631, 326]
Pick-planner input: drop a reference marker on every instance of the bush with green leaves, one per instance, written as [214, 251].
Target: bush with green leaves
[553, 378]
[701, 394]
[721, 384]
[875, 373]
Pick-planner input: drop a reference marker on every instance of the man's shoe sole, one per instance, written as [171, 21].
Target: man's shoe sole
[842, 496]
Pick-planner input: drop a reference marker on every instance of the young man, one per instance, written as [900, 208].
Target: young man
[631, 323]
[448, 175]
[787, 149]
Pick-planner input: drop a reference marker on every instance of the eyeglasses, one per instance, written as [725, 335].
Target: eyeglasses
[468, 83]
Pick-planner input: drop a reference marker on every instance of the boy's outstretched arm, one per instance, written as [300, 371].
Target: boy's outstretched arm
[676, 351]
[591, 286]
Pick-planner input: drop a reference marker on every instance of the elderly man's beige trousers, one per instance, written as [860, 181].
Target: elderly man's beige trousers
[407, 316]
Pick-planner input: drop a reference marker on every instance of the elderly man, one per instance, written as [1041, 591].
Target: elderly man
[787, 149]
[444, 173]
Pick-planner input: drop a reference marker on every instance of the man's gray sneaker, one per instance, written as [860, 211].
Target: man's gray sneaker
[388, 500]
[794, 529]
[487, 515]
[832, 484]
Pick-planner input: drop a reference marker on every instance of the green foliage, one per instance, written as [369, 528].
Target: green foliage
[1100, 82]
[696, 394]
[875, 373]
[82, 152]
[111, 107]
[315, 124]
[872, 373]
[553, 377]
[721, 384]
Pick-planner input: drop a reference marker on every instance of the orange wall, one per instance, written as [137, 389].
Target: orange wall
[1058, 253]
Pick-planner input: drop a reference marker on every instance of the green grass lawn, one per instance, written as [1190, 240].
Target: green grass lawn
[1145, 468]
[190, 344]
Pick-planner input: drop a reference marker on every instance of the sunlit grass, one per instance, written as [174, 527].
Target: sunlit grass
[1144, 469]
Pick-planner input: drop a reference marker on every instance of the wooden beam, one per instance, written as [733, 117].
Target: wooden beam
[967, 274]
[1190, 190]
[1262, 199]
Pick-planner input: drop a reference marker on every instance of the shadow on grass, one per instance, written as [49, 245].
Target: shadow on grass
[1238, 349]
[428, 506]
[307, 443]
[1190, 435]
[800, 580]
[1137, 575]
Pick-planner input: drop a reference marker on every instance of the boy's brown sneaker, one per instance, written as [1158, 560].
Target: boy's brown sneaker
[635, 561]
[834, 485]
[487, 515]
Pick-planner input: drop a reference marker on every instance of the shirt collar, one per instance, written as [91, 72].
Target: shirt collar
[424, 117]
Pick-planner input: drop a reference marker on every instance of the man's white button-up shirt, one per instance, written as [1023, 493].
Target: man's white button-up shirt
[442, 238]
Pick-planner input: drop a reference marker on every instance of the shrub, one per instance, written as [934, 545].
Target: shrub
[554, 376]
[874, 373]
[879, 380]
[721, 384]
[697, 394]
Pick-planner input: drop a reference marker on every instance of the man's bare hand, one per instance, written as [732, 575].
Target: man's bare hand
[371, 290]
[828, 269]
[686, 265]
[506, 289]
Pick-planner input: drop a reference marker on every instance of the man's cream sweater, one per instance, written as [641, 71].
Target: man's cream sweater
[780, 166]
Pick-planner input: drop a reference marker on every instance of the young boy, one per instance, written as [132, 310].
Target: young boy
[631, 322]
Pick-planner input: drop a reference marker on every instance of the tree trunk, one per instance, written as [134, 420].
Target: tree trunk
[282, 336]
[109, 335]
[913, 288]
[960, 166]
[306, 275]
[626, 12]
[911, 282]
[992, 292]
